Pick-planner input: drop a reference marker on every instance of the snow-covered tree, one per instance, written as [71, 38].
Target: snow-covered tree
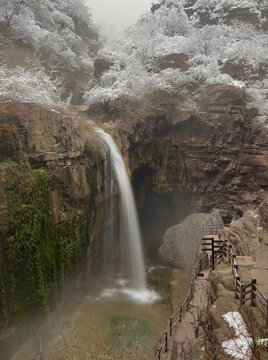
[33, 85]
[9, 8]
[169, 29]
[52, 27]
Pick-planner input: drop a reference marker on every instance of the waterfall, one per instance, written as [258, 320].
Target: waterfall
[130, 238]
[109, 239]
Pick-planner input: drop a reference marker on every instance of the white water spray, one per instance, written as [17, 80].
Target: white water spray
[129, 225]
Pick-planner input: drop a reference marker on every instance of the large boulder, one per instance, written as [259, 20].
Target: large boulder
[181, 242]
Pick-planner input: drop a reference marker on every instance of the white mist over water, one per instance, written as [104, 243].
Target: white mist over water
[129, 226]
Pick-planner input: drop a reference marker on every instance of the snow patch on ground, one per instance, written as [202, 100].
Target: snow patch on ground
[240, 347]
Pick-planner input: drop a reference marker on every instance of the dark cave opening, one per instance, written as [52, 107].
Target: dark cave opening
[157, 212]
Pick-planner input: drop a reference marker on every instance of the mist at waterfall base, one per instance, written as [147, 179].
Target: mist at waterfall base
[116, 302]
[129, 273]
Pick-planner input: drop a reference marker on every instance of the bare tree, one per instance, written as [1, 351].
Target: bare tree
[207, 38]
[11, 8]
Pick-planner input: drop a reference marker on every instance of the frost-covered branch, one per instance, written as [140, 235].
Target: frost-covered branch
[11, 8]
[54, 28]
[33, 85]
[168, 30]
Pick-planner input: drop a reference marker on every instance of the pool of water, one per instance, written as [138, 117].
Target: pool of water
[110, 320]
[113, 319]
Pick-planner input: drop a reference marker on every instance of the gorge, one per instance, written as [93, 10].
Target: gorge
[175, 109]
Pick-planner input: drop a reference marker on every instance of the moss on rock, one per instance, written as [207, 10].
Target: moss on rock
[37, 257]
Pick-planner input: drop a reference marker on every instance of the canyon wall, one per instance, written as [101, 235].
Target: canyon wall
[215, 152]
[213, 155]
[187, 156]
[50, 205]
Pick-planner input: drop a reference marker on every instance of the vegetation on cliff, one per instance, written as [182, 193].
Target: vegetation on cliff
[37, 257]
[58, 37]
[18, 83]
[52, 27]
[183, 45]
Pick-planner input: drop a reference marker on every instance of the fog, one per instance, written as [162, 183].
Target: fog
[118, 14]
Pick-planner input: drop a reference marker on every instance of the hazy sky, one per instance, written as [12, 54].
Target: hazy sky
[118, 13]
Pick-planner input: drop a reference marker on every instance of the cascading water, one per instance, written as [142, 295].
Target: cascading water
[130, 238]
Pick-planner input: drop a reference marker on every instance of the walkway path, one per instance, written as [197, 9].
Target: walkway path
[190, 328]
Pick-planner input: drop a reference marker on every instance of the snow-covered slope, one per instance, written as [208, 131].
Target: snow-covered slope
[182, 45]
[53, 27]
[59, 33]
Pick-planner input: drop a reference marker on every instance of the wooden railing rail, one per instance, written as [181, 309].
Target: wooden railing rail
[176, 319]
[243, 292]
[246, 293]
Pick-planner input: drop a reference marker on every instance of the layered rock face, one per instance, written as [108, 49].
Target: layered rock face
[50, 173]
[192, 156]
[215, 153]
[56, 141]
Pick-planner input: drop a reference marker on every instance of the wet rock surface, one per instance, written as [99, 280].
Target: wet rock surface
[51, 211]
[181, 243]
[58, 142]
[215, 153]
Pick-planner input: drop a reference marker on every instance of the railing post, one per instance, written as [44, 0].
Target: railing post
[180, 319]
[188, 303]
[192, 287]
[235, 265]
[237, 278]
[200, 266]
[266, 312]
[231, 250]
[170, 326]
[166, 341]
[242, 294]
[233, 262]
[159, 354]
[224, 248]
[213, 254]
[191, 291]
[253, 292]
[236, 268]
